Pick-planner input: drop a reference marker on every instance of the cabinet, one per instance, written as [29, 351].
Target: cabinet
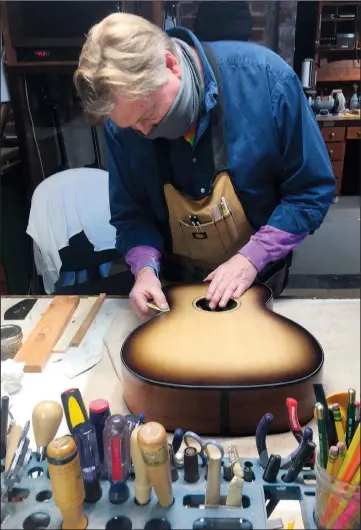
[336, 132]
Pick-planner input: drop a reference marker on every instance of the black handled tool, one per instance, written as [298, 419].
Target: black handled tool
[330, 425]
[261, 435]
[74, 408]
[272, 468]
[302, 457]
[4, 424]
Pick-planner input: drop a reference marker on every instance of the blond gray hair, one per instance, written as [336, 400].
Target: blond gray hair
[123, 55]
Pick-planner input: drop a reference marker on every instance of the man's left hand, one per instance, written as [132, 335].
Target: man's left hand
[230, 280]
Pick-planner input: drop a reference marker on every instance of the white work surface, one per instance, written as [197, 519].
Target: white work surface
[335, 324]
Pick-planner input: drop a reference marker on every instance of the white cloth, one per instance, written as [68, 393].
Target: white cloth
[62, 206]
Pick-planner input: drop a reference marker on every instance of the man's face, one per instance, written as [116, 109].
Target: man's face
[143, 113]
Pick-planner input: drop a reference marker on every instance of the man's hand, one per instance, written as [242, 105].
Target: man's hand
[147, 287]
[230, 280]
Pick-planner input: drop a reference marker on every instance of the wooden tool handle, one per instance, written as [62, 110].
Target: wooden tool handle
[213, 481]
[12, 443]
[46, 418]
[152, 441]
[142, 487]
[80, 334]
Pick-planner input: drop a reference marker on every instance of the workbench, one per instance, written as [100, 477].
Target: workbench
[336, 132]
[334, 322]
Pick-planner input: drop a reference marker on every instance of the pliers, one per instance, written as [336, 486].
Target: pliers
[261, 434]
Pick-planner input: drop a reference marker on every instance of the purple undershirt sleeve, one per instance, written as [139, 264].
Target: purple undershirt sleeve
[143, 256]
[270, 244]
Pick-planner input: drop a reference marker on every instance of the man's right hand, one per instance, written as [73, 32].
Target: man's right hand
[147, 287]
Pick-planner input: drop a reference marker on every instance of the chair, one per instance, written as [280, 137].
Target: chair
[73, 241]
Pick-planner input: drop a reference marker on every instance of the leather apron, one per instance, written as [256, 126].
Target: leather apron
[222, 227]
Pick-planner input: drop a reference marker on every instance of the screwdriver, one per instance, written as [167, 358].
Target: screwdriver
[117, 457]
[86, 442]
[74, 409]
[98, 413]
[46, 419]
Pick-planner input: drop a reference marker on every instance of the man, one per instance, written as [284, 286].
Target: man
[217, 167]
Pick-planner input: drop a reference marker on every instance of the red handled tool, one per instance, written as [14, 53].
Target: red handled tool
[293, 420]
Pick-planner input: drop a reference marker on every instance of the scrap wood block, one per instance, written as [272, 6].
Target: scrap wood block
[80, 334]
[37, 348]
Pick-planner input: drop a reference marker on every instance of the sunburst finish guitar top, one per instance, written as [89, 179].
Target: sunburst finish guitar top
[218, 372]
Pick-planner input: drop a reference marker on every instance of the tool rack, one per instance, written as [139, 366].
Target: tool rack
[260, 498]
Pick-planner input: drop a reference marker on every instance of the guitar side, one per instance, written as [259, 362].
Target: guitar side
[205, 382]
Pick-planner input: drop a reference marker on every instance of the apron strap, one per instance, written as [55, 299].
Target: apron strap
[218, 130]
[219, 143]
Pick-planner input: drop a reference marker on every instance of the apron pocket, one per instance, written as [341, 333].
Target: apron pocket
[232, 228]
[203, 243]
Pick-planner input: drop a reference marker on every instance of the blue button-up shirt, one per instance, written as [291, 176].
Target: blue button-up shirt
[277, 157]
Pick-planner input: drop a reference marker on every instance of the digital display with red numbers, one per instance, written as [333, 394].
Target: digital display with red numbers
[42, 53]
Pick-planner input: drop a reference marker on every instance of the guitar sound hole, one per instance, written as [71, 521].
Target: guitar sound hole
[203, 304]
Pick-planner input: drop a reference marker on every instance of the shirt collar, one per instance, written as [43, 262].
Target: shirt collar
[210, 83]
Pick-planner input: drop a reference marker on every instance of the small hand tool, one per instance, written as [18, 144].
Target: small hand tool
[191, 469]
[20, 459]
[227, 471]
[20, 310]
[86, 442]
[74, 408]
[66, 482]
[142, 487]
[46, 419]
[179, 459]
[307, 436]
[177, 440]
[117, 457]
[248, 474]
[152, 440]
[322, 435]
[235, 461]
[215, 454]
[330, 425]
[152, 305]
[191, 439]
[234, 496]
[261, 434]
[98, 413]
[272, 468]
[132, 421]
[302, 457]
[293, 420]
[12, 443]
[173, 468]
[357, 415]
[350, 420]
[4, 424]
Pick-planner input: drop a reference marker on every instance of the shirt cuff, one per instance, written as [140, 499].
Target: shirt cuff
[270, 244]
[139, 257]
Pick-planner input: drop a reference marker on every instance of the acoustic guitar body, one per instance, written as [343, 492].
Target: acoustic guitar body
[219, 372]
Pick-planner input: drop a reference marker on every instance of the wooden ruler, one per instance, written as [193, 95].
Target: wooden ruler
[37, 348]
[80, 334]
